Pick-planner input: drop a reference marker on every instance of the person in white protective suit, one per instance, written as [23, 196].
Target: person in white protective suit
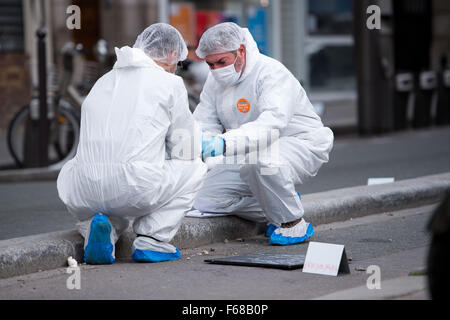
[261, 136]
[139, 153]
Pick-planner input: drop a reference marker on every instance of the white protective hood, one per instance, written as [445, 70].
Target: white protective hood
[132, 57]
[252, 54]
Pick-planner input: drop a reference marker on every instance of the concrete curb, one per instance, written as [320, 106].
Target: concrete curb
[48, 251]
[36, 253]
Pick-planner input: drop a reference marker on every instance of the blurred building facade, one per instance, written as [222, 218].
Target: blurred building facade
[315, 39]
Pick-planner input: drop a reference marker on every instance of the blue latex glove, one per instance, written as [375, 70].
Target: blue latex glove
[213, 147]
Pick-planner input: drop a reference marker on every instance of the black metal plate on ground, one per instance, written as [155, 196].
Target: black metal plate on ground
[266, 260]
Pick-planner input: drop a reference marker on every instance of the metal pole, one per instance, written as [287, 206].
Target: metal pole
[43, 119]
[369, 73]
[302, 27]
[277, 50]
[163, 11]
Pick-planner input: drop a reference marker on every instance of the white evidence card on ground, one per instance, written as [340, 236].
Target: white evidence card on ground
[326, 259]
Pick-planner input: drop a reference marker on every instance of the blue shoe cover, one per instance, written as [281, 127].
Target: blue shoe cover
[154, 256]
[270, 229]
[99, 249]
[286, 241]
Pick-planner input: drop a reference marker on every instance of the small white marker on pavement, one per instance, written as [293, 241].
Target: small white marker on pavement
[374, 181]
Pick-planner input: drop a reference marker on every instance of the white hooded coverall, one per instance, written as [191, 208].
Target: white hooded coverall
[267, 97]
[139, 151]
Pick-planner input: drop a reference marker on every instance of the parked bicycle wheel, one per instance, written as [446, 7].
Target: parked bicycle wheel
[63, 137]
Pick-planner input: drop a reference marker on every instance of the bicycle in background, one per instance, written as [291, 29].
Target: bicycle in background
[64, 110]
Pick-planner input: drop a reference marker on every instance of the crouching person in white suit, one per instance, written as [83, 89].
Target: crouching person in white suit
[138, 155]
[250, 102]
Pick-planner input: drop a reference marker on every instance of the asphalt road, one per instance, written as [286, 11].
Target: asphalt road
[396, 242]
[403, 155]
[33, 208]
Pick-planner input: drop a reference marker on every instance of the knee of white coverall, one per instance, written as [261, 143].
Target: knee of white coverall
[245, 207]
[220, 190]
[224, 192]
[217, 203]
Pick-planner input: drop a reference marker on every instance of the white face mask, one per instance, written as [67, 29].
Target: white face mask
[226, 76]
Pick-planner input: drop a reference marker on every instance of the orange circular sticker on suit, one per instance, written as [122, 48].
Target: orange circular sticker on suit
[243, 105]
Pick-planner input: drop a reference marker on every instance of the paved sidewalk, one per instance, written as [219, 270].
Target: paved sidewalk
[48, 251]
[401, 288]
[396, 242]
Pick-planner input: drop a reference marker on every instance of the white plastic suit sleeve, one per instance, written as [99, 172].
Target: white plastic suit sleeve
[183, 140]
[279, 96]
[206, 112]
